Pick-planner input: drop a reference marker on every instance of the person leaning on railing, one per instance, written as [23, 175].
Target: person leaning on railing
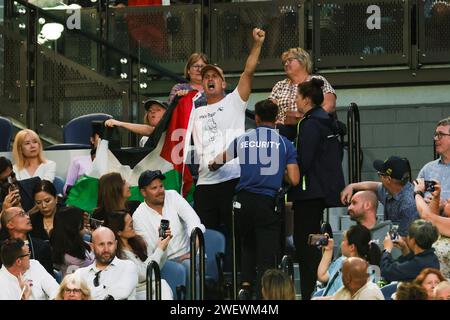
[431, 212]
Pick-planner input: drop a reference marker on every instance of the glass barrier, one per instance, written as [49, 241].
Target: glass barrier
[232, 24]
[434, 31]
[361, 33]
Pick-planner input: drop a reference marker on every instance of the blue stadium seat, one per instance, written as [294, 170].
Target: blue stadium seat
[214, 244]
[175, 275]
[5, 134]
[389, 290]
[79, 130]
[59, 182]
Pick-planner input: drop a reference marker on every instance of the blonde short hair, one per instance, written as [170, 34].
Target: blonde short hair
[301, 55]
[76, 281]
[17, 147]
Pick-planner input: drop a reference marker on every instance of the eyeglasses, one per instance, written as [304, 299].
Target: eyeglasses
[24, 255]
[67, 290]
[288, 61]
[97, 278]
[20, 214]
[439, 135]
[198, 66]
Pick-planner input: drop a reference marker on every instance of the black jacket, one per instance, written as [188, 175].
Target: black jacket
[319, 157]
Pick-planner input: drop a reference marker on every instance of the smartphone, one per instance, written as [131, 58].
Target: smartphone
[429, 185]
[318, 240]
[394, 233]
[163, 228]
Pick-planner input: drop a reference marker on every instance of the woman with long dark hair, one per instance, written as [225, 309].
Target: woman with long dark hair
[132, 247]
[70, 251]
[356, 242]
[321, 179]
[46, 201]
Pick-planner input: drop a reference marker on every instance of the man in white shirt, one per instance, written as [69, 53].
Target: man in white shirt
[169, 205]
[109, 278]
[22, 278]
[216, 125]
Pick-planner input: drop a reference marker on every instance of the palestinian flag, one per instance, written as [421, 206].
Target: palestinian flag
[163, 151]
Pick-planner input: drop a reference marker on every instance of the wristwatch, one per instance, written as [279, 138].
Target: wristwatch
[419, 193]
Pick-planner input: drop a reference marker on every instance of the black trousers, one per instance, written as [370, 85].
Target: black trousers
[214, 204]
[308, 215]
[259, 228]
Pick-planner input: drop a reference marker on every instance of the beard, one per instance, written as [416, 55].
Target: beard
[104, 259]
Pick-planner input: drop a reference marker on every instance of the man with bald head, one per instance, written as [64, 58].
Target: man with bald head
[357, 285]
[108, 277]
[363, 208]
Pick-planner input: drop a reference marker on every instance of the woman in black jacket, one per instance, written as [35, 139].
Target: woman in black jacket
[321, 179]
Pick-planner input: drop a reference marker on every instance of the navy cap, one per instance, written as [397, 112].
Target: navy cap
[394, 167]
[149, 102]
[148, 176]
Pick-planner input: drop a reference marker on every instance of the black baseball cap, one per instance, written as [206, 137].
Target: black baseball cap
[148, 176]
[394, 167]
[149, 102]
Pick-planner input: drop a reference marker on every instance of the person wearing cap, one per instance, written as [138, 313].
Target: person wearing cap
[216, 125]
[395, 192]
[164, 204]
[154, 111]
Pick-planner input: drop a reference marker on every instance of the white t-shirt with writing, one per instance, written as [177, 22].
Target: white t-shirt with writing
[215, 127]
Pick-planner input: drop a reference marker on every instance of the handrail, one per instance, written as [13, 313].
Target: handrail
[100, 41]
[287, 265]
[354, 144]
[153, 267]
[197, 234]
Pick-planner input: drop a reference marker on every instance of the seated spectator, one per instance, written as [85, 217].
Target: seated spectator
[154, 111]
[429, 278]
[411, 291]
[192, 73]
[161, 204]
[442, 291]
[70, 251]
[363, 209]
[47, 203]
[22, 278]
[417, 253]
[73, 288]
[430, 212]
[15, 193]
[113, 192]
[298, 67]
[394, 191]
[277, 285]
[131, 246]
[17, 224]
[438, 169]
[82, 164]
[356, 282]
[29, 157]
[356, 242]
[108, 277]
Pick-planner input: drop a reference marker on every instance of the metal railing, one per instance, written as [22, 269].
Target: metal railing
[354, 144]
[287, 265]
[153, 267]
[197, 238]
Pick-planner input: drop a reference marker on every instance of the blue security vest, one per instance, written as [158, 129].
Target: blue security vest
[263, 155]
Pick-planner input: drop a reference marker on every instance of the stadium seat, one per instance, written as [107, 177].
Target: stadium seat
[175, 275]
[68, 146]
[389, 290]
[59, 182]
[215, 253]
[79, 130]
[5, 134]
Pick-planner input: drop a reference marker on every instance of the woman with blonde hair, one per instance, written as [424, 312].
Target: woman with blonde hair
[298, 67]
[29, 158]
[192, 73]
[72, 287]
[276, 285]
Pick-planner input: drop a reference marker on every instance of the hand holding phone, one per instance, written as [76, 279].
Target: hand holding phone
[165, 225]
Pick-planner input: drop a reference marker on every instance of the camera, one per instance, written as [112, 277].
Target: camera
[429, 185]
[318, 240]
[394, 233]
[163, 228]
